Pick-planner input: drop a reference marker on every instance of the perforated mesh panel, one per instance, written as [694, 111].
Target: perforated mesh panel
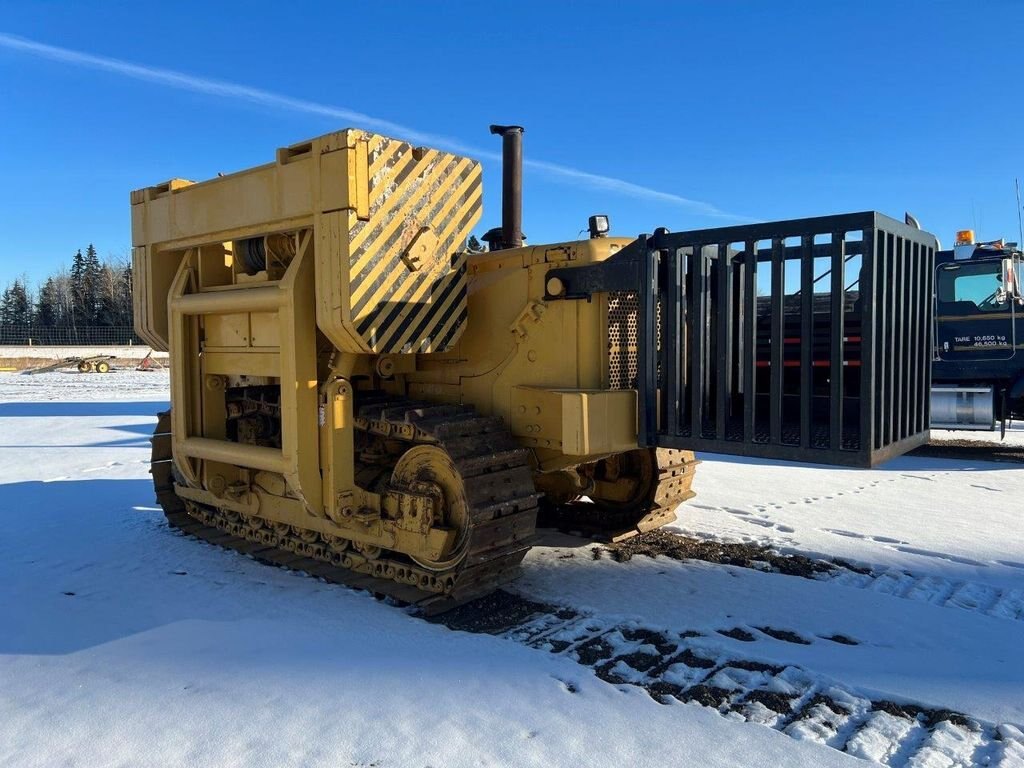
[623, 359]
[623, 349]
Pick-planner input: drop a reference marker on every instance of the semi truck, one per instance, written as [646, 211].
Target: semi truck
[978, 370]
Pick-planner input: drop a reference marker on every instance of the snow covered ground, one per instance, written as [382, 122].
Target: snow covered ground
[125, 643]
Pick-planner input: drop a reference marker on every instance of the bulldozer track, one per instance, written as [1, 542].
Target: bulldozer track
[500, 492]
[695, 667]
[675, 471]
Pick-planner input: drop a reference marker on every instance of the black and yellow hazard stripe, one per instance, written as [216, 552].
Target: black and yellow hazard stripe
[395, 309]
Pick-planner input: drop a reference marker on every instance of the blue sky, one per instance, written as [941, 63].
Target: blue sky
[693, 114]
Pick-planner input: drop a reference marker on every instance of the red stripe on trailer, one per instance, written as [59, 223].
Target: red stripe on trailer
[814, 363]
[796, 339]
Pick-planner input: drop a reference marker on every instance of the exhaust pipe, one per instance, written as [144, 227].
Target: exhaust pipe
[511, 184]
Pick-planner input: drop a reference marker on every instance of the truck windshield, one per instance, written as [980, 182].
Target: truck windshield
[979, 285]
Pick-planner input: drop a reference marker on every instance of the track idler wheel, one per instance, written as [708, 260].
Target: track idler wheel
[429, 469]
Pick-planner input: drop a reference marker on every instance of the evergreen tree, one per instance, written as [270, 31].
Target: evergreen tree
[94, 286]
[15, 305]
[5, 306]
[125, 298]
[79, 290]
[48, 305]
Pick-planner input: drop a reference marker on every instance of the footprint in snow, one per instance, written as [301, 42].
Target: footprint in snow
[768, 524]
[887, 540]
[841, 639]
[841, 532]
[734, 511]
[568, 686]
[785, 635]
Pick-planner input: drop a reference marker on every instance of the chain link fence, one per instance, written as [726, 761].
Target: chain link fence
[67, 336]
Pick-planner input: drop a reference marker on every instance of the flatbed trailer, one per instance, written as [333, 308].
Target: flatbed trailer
[91, 364]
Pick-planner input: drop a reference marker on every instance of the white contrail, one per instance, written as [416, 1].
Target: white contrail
[186, 82]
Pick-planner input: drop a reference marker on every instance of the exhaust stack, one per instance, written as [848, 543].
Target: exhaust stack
[511, 184]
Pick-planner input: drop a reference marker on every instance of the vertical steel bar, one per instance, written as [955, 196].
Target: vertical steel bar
[881, 339]
[723, 315]
[838, 345]
[868, 301]
[806, 338]
[900, 335]
[672, 340]
[888, 394]
[685, 334]
[915, 309]
[778, 348]
[647, 354]
[749, 359]
[697, 321]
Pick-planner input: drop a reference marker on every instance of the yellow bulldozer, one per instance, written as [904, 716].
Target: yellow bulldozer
[361, 391]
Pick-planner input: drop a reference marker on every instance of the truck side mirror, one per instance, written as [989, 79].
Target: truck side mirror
[1011, 288]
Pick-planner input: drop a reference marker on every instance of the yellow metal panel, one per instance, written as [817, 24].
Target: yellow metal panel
[362, 180]
[537, 416]
[337, 180]
[214, 269]
[577, 422]
[152, 273]
[331, 251]
[598, 421]
[264, 329]
[240, 363]
[227, 330]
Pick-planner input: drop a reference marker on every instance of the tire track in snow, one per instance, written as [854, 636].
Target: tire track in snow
[691, 667]
[987, 599]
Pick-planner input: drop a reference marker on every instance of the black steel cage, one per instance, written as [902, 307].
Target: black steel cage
[806, 340]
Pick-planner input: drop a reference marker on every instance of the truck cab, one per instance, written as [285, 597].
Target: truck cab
[978, 370]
